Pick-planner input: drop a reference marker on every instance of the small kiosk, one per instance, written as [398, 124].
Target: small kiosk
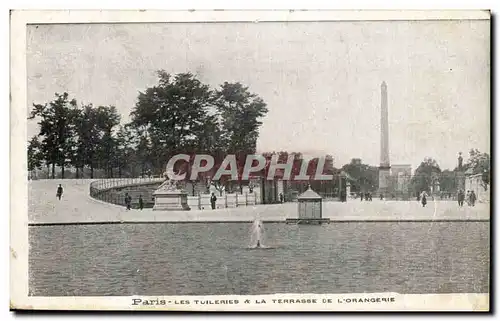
[310, 209]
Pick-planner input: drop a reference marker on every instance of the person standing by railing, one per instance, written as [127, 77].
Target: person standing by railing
[128, 201]
[213, 200]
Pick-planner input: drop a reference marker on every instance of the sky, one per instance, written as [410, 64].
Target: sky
[320, 80]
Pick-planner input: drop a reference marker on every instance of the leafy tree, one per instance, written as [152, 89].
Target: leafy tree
[425, 174]
[57, 130]
[448, 181]
[94, 142]
[86, 140]
[239, 114]
[35, 156]
[365, 177]
[107, 118]
[123, 153]
[175, 115]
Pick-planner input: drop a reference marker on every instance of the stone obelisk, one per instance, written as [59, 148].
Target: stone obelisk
[385, 166]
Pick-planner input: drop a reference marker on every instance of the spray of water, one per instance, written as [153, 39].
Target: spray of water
[257, 234]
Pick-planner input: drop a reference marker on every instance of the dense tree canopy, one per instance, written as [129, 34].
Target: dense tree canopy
[179, 114]
[426, 174]
[365, 177]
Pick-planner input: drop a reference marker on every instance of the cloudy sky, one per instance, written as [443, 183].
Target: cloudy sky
[321, 80]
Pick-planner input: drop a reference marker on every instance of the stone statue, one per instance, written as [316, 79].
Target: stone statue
[169, 197]
[168, 184]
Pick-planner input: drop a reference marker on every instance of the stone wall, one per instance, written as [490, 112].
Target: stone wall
[474, 183]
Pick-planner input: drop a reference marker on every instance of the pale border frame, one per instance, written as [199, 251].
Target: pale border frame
[18, 141]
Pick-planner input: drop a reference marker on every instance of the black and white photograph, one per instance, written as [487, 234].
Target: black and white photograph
[251, 161]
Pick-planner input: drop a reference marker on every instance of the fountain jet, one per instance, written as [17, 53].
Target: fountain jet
[257, 234]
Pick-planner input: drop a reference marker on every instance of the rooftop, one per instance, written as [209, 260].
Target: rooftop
[309, 194]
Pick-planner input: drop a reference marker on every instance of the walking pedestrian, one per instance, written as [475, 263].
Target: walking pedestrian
[59, 192]
[468, 198]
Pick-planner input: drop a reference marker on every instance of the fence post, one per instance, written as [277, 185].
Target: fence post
[236, 194]
[199, 201]
[246, 199]
[225, 200]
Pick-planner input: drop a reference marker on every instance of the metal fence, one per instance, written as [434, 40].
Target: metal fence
[104, 184]
[113, 190]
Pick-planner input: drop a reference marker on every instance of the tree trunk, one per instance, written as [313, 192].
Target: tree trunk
[119, 171]
[53, 170]
[91, 171]
[77, 172]
[111, 172]
[62, 171]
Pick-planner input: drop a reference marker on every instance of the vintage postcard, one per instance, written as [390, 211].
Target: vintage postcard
[250, 160]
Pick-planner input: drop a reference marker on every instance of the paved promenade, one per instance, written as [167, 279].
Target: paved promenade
[77, 206]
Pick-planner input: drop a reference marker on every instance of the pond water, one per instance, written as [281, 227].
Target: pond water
[216, 259]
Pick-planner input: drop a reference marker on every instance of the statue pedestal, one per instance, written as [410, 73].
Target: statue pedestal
[169, 198]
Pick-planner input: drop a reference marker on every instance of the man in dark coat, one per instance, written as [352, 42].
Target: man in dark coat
[213, 199]
[59, 192]
[128, 201]
[423, 197]
[141, 203]
[473, 198]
